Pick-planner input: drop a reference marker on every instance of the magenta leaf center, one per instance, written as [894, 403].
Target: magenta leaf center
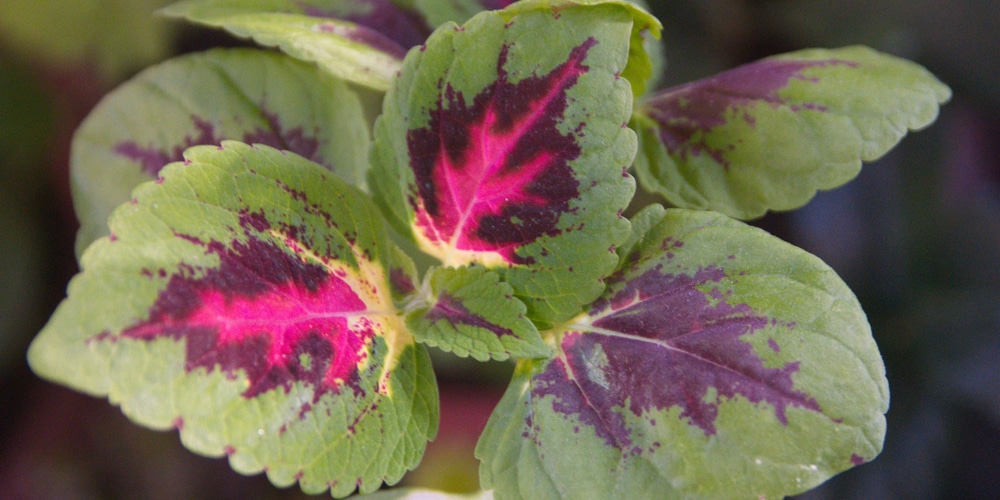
[267, 313]
[494, 175]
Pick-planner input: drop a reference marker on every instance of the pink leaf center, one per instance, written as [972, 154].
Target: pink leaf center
[495, 175]
[268, 313]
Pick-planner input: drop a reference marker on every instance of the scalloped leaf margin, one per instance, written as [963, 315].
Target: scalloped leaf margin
[721, 362]
[245, 299]
[769, 134]
[499, 162]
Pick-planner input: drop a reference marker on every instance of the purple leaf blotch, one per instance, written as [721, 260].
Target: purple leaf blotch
[685, 113]
[658, 343]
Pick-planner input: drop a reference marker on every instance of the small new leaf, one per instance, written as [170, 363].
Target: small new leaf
[720, 363]
[768, 135]
[470, 312]
[244, 299]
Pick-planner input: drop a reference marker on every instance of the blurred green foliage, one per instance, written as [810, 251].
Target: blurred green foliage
[25, 127]
[115, 36]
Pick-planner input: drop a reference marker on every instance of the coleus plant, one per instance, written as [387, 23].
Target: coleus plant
[252, 291]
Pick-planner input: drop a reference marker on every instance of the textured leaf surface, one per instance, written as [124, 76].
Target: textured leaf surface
[767, 135]
[470, 312]
[499, 160]
[241, 94]
[720, 363]
[245, 300]
[362, 41]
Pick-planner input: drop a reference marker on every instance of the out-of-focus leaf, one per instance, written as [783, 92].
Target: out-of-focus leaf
[117, 36]
[250, 95]
[362, 41]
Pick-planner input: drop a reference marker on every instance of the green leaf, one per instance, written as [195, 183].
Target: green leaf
[245, 94]
[720, 363]
[361, 41]
[768, 135]
[114, 37]
[645, 55]
[469, 311]
[639, 69]
[503, 144]
[245, 299]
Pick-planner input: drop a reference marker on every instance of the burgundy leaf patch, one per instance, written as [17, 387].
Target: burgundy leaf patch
[660, 343]
[404, 28]
[494, 175]
[266, 312]
[153, 158]
[366, 36]
[687, 112]
[495, 4]
[453, 311]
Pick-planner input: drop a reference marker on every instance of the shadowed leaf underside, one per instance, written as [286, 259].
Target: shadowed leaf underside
[361, 41]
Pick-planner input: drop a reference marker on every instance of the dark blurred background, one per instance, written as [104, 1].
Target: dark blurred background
[916, 235]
